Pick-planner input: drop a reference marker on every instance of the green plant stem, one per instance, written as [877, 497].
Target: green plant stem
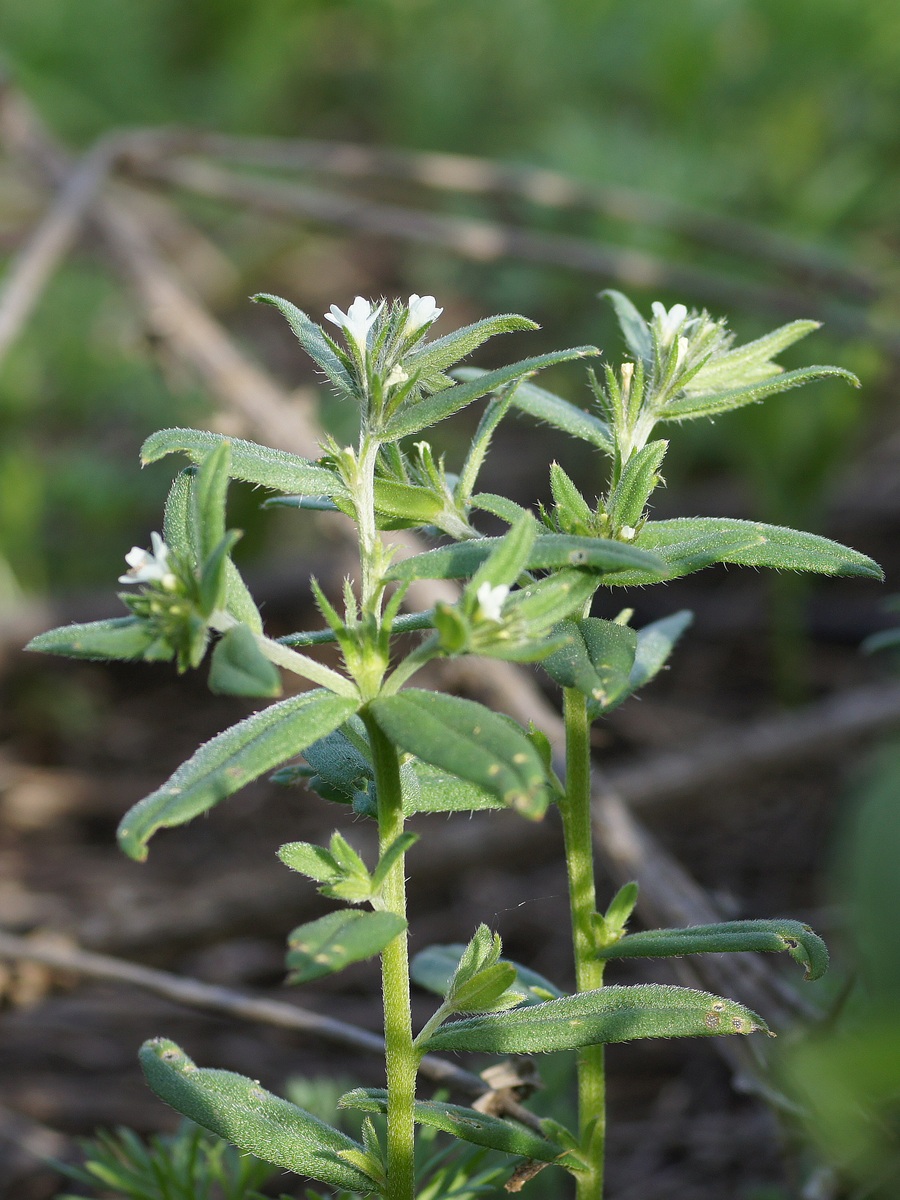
[575, 808]
[400, 1057]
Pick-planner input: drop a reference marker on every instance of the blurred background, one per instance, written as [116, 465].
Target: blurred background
[161, 162]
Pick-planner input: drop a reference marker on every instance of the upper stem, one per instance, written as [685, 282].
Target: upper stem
[575, 809]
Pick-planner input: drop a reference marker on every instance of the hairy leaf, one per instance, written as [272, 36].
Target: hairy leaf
[685, 540]
[467, 1124]
[710, 404]
[544, 406]
[438, 356]
[433, 968]
[275, 469]
[549, 552]
[239, 667]
[610, 1014]
[338, 939]
[256, 1121]
[803, 945]
[634, 328]
[470, 741]
[440, 405]
[120, 638]
[230, 761]
[313, 340]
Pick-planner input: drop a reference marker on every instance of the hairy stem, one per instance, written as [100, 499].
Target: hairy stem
[400, 1057]
[575, 808]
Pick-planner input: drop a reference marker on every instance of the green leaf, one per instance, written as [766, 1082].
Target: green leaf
[230, 761]
[683, 541]
[429, 789]
[214, 575]
[803, 945]
[399, 846]
[574, 514]
[550, 552]
[750, 363]
[508, 559]
[275, 469]
[640, 476]
[634, 328]
[417, 505]
[337, 940]
[553, 410]
[470, 741]
[239, 667]
[597, 660]
[422, 414]
[436, 357]
[622, 905]
[256, 1121]
[342, 769]
[610, 1014]
[120, 638]
[209, 493]
[655, 643]
[467, 1124]
[434, 967]
[179, 533]
[315, 862]
[498, 506]
[709, 404]
[487, 991]
[313, 340]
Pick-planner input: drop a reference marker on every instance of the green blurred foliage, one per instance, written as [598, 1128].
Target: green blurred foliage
[847, 1075]
[781, 113]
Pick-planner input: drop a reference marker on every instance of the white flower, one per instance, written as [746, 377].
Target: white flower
[356, 321]
[150, 566]
[668, 323]
[397, 375]
[422, 311]
[490, 600]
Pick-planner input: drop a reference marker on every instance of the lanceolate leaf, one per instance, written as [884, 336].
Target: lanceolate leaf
[443, 404]
[803, 945]
[433, 969]
[537, 402]
[654, 645]
[639, 478]
[275, 469]
[312, 339]
[750, 363]
[338, 939]
[230, 761]
[610, 1014]
[710, 404]
[467, 1124]
[180, 533]
[438, 356]
[634, 328]
[254, 1120]
[239, 667]
[549, 552]
[118, 638]
[598, 659]
[685, 539]
[429, 789]
[470, 741]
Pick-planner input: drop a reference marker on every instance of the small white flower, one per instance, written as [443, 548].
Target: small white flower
[356, 321]
[422, 311]
[147, 566]
[397, 375]
[490, 600]
[668, 323]
[627, 533]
